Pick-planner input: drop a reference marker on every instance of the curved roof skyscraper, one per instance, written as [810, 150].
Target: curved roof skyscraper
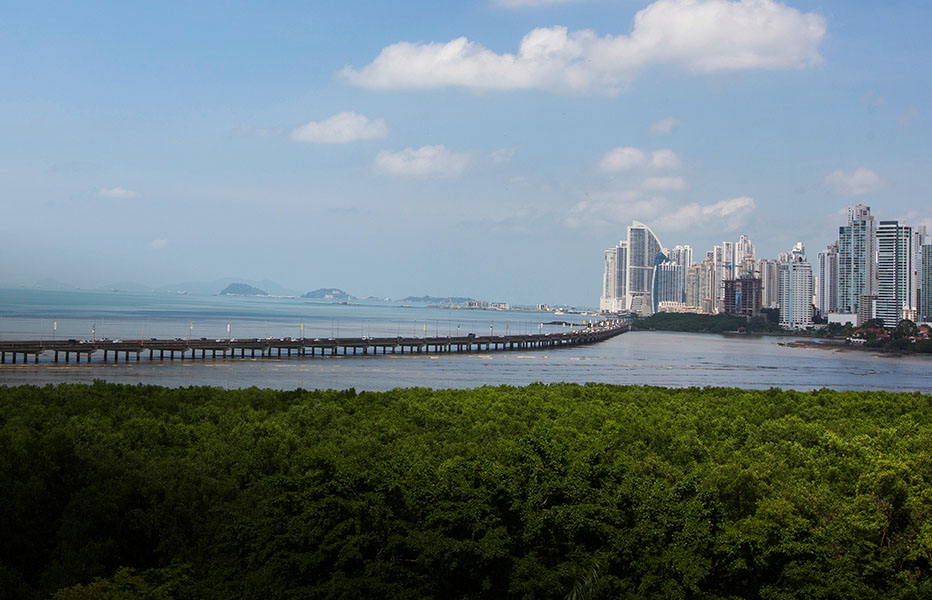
[643, 250]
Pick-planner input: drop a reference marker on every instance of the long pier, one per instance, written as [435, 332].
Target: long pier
[163, 349]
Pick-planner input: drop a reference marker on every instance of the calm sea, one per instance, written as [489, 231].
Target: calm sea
[639, 358]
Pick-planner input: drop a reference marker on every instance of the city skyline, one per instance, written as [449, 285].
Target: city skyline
[474, 149]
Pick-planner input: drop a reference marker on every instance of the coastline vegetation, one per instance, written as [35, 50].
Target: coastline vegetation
[696, 323]
[544, 491]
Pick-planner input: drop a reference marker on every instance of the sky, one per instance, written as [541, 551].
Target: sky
[491, 149]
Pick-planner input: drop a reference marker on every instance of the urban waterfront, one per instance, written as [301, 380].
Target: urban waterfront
[634, 358]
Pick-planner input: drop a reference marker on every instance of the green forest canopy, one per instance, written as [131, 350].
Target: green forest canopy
[544, 491]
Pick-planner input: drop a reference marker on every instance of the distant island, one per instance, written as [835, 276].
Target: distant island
[242, 289]
[334, 294]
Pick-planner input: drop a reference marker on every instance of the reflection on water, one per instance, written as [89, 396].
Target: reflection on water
[637, 358]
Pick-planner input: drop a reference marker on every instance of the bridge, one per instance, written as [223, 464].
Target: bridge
[165, 349]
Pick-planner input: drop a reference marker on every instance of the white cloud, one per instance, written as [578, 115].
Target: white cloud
[664, 184]
[117, 192]
[731, 214]
[665, 126]
[158, 244]
[623, 158]
[861, 181]
[626, 158]
[503, 155]
[615, 208]
[341, 128]
[665, 159]
[427, 160]
[699, 35]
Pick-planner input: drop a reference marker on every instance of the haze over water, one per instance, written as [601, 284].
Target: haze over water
[635, 358]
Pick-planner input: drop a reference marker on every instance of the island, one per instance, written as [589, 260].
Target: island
[334, 294]
[242, 289]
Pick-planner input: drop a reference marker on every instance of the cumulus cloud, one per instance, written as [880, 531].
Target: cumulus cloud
[861, 181]
[117, 192]
[615, 207]
[626, 158]
[341, 128]
[158, 244]
[698, 35]
[503, 155]
[731, 214]
[664, 184]
[427, 160]
[665, 126]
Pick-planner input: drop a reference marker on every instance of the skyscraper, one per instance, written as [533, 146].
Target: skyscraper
[856, 259]
[925, 302]
[895, 255]
[644, 249]
[614, 279]
[796, 291]
[682, 256]
[770, 282]
[827, 280]
[744, 257]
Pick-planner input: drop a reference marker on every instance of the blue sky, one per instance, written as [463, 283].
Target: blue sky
[489, 148]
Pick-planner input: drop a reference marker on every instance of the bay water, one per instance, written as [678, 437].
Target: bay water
[634, 358]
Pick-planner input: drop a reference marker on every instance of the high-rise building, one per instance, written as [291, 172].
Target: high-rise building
[644, 253]
[743, 296]
[667, 284]
[613, 279]
[856, 259]
[925, 301]
[769, 272]
[827, 280]
[683, 257]
[692, 287]
[796, 291]
[707, 284]
[744, 257]
[895, 287]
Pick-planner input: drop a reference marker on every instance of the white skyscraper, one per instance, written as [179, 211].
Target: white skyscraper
[895, 272]
[827, 280]
[682, 256]
[614, 279]
[744, 256]
[796, 290]
[644, 252]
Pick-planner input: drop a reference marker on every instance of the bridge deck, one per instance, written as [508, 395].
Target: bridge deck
[162, 349]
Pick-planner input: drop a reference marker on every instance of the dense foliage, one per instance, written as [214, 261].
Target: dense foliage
[557, 491]
[696, 323]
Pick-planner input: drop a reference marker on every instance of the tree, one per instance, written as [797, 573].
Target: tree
[905, 329]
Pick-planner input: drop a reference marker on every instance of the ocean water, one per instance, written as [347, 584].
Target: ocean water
[635, 358]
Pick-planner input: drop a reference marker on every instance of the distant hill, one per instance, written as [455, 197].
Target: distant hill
[242, 289]
[211, 287]
[438, 299]
[328, 294]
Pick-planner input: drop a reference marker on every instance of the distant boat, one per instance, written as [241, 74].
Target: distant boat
[182, 292]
